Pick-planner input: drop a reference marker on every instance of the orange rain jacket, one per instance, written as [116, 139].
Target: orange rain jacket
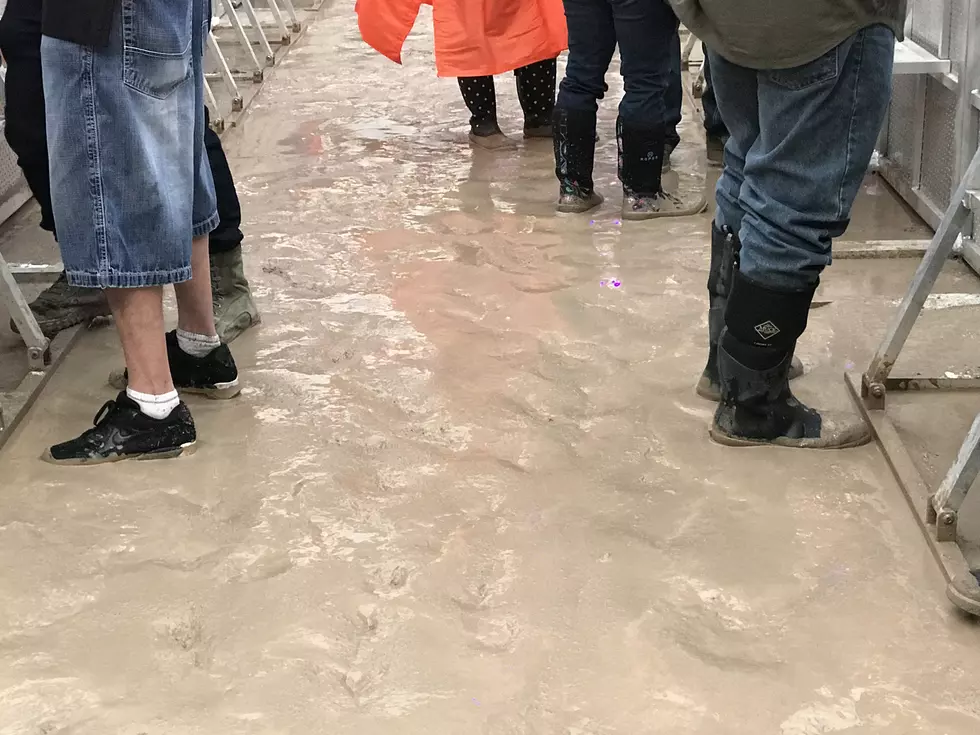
[473, 38]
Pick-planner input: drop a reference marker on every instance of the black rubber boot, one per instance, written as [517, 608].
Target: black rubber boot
[755, 352]
[641, 161]
[724, 254]
[574, 133]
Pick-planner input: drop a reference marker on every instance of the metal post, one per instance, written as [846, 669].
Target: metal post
[284, 36]
[217, 122]
[946, 503]
[270, 55]
[19, 310]
[236, 23]
[236, 96]
[873, 384]
[291, 12]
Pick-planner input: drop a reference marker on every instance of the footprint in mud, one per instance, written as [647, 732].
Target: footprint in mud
[186, 637]
[390, 579]
[497, 635]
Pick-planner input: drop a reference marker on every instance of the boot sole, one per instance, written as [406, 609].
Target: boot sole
[53, 328]
[737, 441]
[576, 210]
[184, 450]
[495, 142]
[964, 603]
[698, 208]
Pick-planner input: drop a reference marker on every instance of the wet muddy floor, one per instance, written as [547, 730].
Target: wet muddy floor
[469, 487]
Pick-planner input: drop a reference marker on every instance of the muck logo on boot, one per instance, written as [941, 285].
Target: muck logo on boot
[767, 330]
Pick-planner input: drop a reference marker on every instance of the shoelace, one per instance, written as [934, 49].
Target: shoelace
[108, 408]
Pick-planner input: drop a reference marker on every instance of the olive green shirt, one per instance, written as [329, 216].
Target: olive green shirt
[781, 34]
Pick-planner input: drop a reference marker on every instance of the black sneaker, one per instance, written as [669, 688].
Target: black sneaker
[215, 375]
[122, 431]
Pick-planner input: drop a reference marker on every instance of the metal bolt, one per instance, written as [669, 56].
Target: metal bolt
[877, 390]
[948, 519]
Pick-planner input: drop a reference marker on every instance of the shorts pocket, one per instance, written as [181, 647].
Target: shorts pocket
[157, 45]
[821, 70]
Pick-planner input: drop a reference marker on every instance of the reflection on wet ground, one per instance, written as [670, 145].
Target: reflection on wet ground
[469, 488]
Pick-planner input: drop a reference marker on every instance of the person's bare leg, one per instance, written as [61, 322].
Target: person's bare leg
[139, 320]
[195, 312]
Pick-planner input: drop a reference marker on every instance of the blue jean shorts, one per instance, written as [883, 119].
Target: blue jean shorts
[130, 181]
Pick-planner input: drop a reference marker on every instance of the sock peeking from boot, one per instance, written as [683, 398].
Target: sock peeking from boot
[156, 407]
[197, 345]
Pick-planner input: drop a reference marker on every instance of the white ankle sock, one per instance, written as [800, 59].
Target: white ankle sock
[156, 407]
[197, 345]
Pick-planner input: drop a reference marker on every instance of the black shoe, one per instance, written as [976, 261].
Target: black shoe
[755, 353]
[574, 136]
[122, 431]
[724, 252]
[215, 375]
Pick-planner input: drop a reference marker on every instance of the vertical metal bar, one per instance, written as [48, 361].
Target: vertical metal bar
[945, 28]
[277, 15]
[922, 283]
[230, 83]
[967, 130]
[918, 130]
[270, 55]
[236, 24]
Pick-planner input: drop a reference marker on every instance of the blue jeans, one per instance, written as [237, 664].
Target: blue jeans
[644, 30]
[801, 140]
[714, 126]
[130, 181]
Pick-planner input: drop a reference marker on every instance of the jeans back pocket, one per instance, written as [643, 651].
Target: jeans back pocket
[820, 70]
[157, 45]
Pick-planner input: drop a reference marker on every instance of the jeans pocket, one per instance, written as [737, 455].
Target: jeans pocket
[821, 70]
[157, 45]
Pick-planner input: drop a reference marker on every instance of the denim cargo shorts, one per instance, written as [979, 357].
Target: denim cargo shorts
[130, 181]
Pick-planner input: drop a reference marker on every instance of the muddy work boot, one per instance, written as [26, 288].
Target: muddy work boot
[122, 431]
[714, 150]
[62, 305]
[574, 136]
[964, 592]
[661, 204]
[724, 253]
[642, 154]
[215, 375]
[488, 135]
[234, 309]
[755, 352]
[538, 127]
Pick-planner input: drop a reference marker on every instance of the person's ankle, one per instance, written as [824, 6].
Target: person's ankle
[197, 344]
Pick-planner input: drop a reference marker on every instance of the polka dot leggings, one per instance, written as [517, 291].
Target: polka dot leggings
[535, 90]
